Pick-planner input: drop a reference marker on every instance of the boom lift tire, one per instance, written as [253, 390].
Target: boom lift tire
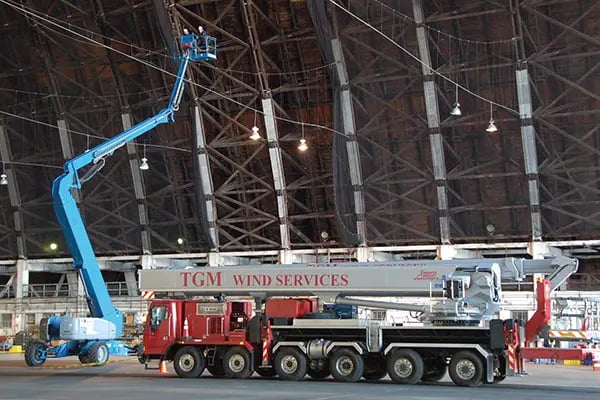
[189, 362]
[35, 355]
[346, 365]
[405, 366]
[83, 357]
[236, 363]
[98, 353]
[290, 364]
[466, 369]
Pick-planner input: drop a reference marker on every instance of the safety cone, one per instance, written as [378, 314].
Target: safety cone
[163, 367]
[186, 329]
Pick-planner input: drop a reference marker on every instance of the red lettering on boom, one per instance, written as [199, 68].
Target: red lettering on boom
[201, 279]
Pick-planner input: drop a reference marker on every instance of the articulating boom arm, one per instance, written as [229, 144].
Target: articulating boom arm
[66, 208]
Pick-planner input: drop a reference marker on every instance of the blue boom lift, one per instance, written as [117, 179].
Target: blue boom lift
[94, 338]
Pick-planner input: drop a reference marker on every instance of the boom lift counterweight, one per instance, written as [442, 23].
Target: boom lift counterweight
[92, 338]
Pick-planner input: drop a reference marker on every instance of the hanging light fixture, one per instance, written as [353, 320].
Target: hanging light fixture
[455, 112]
[144, 164]
[302, 146]
[3, 177]
[255, 135]
[492, 126]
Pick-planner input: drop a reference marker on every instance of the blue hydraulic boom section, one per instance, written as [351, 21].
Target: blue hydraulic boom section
[66, 208]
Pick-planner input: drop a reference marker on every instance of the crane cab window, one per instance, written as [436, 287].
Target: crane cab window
[157, 316]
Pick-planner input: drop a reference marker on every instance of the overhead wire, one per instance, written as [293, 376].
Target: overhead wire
[35, 14]
[423, 63]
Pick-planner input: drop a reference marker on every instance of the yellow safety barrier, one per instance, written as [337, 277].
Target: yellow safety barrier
[572, 362]
[17, 348]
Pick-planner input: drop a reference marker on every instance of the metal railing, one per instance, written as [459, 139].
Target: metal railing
[58, 290]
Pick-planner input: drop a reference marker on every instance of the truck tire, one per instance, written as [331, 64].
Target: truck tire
[290, 364]
[216, 370]
[466, 369]
[35, 354]
[346, 365]
[188, 362]
[98, 353]
[374, 375]
[435, 369]
[266, 372]
[405, 366]
[236, 363]
[318, 369]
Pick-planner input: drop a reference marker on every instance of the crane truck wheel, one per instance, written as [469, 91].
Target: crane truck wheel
[98, 353]
[318, 369]
[290, 364]
[466, 369]
[188, 362]
[216, 370]
[346, 365]
[35, 355]
[375, 375]
[236, 363]
[266, 372]
[435, 369]
[405, 366]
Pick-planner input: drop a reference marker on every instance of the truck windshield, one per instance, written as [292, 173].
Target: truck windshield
[157, 316]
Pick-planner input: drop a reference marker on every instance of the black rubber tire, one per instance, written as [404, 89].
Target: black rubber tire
[189, 362]
[435, 369]
[466, 369]
[266, 372]
[35, 354]
[139, 352]
[405, 366]
[434, 375]
[98, 353]
[319, 372]
[236, 363]
[374, 375]
[346, 365]
[83, 358]
[217, 370]
[290, 364]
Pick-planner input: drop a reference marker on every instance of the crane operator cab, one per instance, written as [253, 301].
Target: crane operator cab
[200, 46]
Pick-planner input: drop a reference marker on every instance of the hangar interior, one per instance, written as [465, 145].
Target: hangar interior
[392, 169]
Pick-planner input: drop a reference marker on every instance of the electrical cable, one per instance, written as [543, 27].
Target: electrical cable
[407, 52]
[22, 9]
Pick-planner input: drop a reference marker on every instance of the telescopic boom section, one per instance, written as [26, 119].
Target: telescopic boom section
[67, 211]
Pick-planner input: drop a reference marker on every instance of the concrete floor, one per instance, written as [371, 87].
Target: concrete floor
[65, 379]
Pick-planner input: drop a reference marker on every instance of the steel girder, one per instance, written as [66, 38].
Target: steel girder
[82, 91]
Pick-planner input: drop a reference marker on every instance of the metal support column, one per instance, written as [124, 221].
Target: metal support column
[529, 149]
[277, 169]
[206, 181]
[13, 192]
[433, 121]
[351, 143]
[138, 187]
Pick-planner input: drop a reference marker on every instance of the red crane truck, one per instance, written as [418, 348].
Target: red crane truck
[290, 337]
